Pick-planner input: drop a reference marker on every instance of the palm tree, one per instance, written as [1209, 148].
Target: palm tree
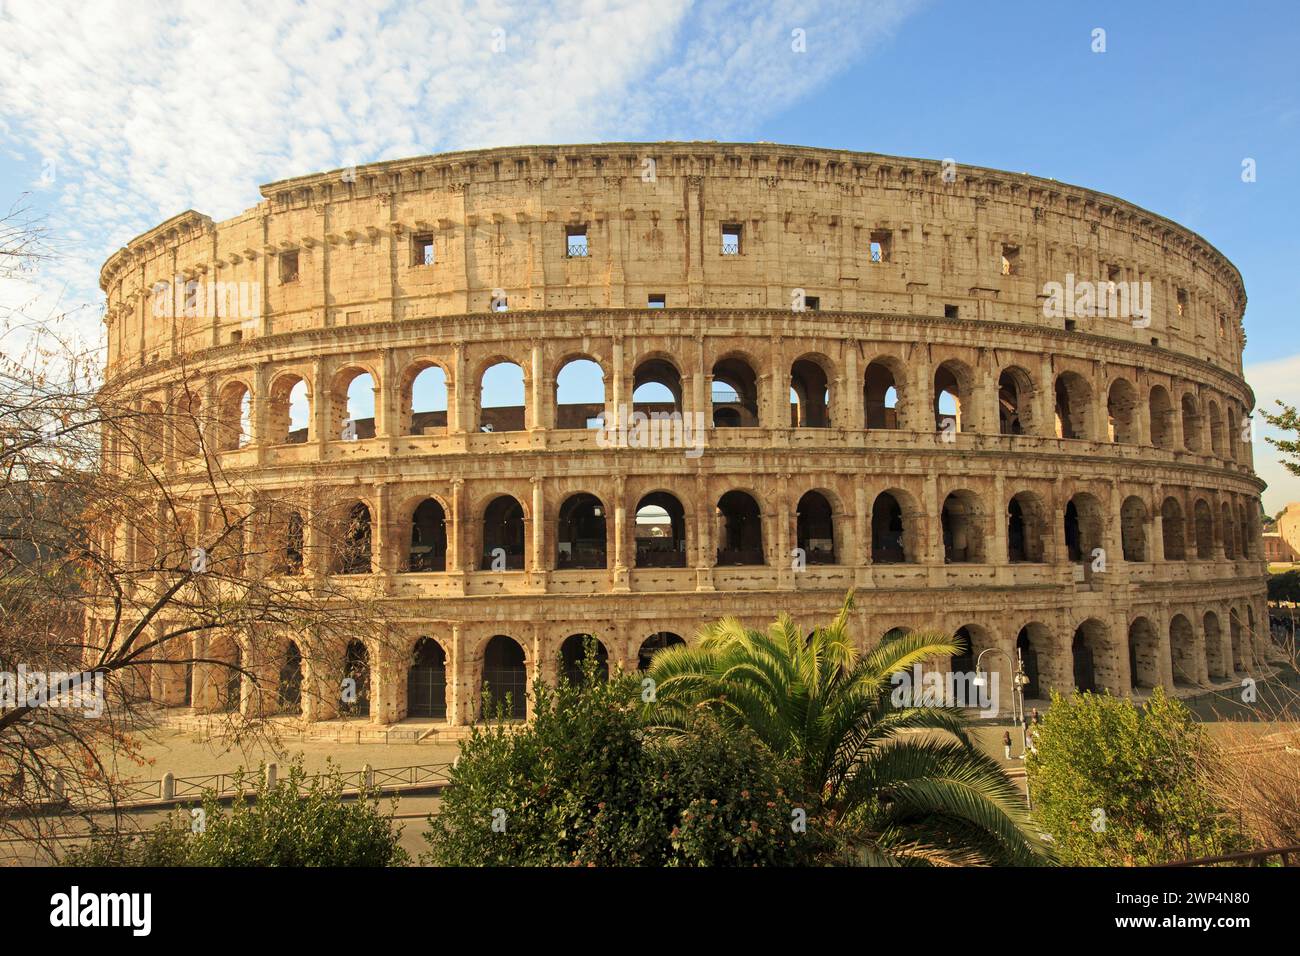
[888, 794]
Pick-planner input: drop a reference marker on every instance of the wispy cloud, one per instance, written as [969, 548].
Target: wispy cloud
[143, 110]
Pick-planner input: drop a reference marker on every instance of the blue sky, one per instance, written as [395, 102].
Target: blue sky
[142, 111]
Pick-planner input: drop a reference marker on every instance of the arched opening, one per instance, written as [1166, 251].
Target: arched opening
[1133, 529]
[963, 529]
[888, 536]
[580, 395]
[354, 551]
[1239, 662]
[1162, 418]
[1015, 402]
[1227, 527]
[1073, 406]
[573, 656]
[226, 677]
[660, 530]
[653, 645]
[1032, 643]
[288, 537]
[809, 395]
[735, 394]
[355, 701]
[953, 385]
[1217, 429]
[428, 537]
[425, 400]
[1143, 654]
[1171, 527]
[1182, 652]
[1216, 663]
[290, 411]
[880, 394]
[501, 398]
[426, 681]
[580, 533]
[352, 405]
[289, 685]
[504, 689]
[1204, 524]
[1083, 652]
[1234, 433]
[234, 417]
[964, 661]
[1084, 527]
[503, 535]
[1121, 412]
[1025, 527]
[657, 388]
[1192, 423]
[740, 531]
[815, 529]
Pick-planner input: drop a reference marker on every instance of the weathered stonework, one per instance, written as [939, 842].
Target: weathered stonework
[1127, 431]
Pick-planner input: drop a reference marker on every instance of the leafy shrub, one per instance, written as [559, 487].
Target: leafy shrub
[1120, 785]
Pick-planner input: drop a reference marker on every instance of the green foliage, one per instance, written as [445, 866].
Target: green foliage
[887, 795]
[583, 784]
[1284, 586]
[1286, 420]
[1144, 768]
[300, 821]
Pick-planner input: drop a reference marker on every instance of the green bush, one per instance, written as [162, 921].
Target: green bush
[1115, 784]
[583, 784]
[300, 821]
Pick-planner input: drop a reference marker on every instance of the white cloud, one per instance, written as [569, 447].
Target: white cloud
[150, 109]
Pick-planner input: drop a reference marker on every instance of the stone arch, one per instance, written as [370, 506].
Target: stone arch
[1182, 652]
[659, 531]
[353, 550]
[740, 529]
[1217, 428]
[503, 532]
[428, 543]
[1133, 528]
[1073, 406]
[1143, 654]
[657, 386]
[502, 396]
[1122, 412]
[289, 411]
[289, 680]
[962, 520]
[234, 427]
[1241, 656]
[426, 680]
[810, 392]
[1085, 526]
[1227, 531]
[573, 654]
[883, 392]
[1015, 401]
[356, 670]
[1040, 659]
[503, 685]
[1026, 524]
[893, 528]
[815, 528]
[580, 393]
[1162, 417]
[1097, 665]
[423, 398]
[735, 393]
[660, 640]
[1203, 523]
[353, 391]
[1192, 422]
[954, 389]
[1171, 526]
[1216, 662]
[580, 536]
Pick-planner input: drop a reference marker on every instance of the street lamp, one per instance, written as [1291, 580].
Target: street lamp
[1019, 680]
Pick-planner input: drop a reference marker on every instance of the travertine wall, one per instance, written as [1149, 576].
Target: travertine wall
[1115, 437]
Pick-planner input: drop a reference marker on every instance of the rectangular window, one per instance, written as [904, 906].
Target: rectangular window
[881, 240]
[236, 337]
[1182, 303]
[500, 303]
[657, 300]
[1223, 326]
[731, 233]
[288, 267]
[950, 312]
[575, 242]
[1010, 256]
[422, 249]
[812, 302]
[1069, 325]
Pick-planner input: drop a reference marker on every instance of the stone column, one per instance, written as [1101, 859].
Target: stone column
[538, 563]
[621, 577]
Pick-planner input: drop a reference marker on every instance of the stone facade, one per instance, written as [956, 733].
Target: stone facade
[1083, 491]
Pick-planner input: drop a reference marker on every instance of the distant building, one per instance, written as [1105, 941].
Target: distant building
[1277, 550]
[1288, 526]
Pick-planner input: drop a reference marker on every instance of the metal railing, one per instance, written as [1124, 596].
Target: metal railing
[1289, 855]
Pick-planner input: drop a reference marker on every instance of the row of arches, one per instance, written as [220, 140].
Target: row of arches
[581, 395]
[582, 532]
[1190, 650]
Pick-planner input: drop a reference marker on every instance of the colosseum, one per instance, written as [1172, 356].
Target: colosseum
[993, 404]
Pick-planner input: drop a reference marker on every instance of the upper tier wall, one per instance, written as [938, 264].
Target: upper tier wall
[497, 220]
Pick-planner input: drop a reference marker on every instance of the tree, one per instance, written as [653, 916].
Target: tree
[297, 821]
[1116, 784]
[887, 795]
[1286, 420]
[584, 784]
[1284, 586]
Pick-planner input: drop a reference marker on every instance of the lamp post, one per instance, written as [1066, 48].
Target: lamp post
[1018, 682]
